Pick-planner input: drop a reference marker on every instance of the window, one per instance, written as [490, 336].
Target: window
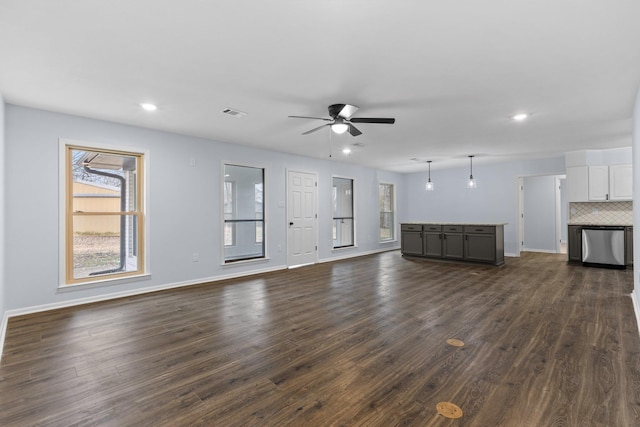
[243, 213]
[104, 214]
[386, 212]
[342, 212]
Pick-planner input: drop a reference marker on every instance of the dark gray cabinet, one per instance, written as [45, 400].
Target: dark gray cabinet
[628, 239]
[484, 243]
[452, 242]
[432, 236]
[574, 243]
[477, 243]
[411, 239]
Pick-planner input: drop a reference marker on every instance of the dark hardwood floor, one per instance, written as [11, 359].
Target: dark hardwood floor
[361, 342]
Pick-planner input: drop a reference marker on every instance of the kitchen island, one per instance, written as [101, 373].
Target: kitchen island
[471, 242]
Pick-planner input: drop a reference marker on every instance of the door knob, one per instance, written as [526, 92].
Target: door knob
[290, 224]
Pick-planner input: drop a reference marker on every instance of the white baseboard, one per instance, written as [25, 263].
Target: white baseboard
[636, 307]
[544, 251]
[115, 295]
[357, 254]
[3, 331]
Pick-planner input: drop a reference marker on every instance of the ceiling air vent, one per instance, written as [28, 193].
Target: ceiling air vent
[233, 112]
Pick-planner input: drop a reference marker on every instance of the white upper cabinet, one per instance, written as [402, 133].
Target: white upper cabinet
[612, 182]
[577, 184]
[598, 183]
[620, 182]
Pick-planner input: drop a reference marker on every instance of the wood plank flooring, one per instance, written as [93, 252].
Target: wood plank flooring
[360, 342]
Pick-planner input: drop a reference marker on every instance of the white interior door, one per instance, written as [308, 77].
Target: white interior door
[302, 218]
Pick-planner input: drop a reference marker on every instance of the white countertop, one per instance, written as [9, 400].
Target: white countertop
[488, 224]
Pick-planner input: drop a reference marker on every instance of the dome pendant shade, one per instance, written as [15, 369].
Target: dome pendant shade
[339, 126]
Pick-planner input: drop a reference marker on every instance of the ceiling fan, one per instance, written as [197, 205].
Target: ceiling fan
[341, 120]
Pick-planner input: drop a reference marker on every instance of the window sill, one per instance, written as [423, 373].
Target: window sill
[103, 282]
[245, 261]
[344, 248]
[388, 241]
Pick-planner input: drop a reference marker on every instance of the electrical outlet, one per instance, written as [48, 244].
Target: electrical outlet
[196, 257]
[595, 211]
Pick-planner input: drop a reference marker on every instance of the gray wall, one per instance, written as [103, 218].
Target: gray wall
[636, 206]
[495, 199]
[540, 213]
[3, 281]
[564, 204]
[184, 210]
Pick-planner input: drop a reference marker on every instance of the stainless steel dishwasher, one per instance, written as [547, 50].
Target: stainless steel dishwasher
[603, 246]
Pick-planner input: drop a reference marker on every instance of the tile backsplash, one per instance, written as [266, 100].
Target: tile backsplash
[601, 213]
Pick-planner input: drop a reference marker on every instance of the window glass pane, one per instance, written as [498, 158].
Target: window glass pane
[343, 198]
[103, 182]
[386, 212]
[343, 229]
[229, 234]
[342, 212]
[243, 212]
[245, 246]
[104, 244]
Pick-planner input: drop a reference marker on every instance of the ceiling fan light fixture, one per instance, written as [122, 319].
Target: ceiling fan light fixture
[339, 127]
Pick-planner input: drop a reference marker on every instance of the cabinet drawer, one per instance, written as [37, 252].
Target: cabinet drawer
[479, 229]
[452, 228]
[411, 227]
[432, 227]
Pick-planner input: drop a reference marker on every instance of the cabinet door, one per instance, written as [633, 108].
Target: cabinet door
[433, 244]
[411, 242]
[452, 245]
[628, 252]
[577, 184]
[620, 182]
[574, 249]
[480, 247]
[598, 183]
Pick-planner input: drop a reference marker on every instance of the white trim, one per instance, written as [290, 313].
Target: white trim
[512, 255]
[265, 204]
[123, 294]
[544, 251]
[353, 209]
[636, 307]
[358, 254]
[288, 220]
[394, 212]
[62, 223]
[3, 331]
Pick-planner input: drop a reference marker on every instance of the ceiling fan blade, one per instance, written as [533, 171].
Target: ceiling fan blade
[348, 110]
[372, 120]
[307, 117]
[315, 129]
[354, 130]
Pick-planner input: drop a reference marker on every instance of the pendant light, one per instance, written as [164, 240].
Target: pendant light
[429, 186]
[472, 182]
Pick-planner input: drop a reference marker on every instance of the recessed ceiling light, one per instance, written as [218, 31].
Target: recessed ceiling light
[520, 117]
[346, 151]
[148, 107]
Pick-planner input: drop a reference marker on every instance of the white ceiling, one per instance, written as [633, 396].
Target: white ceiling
[450, 72]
